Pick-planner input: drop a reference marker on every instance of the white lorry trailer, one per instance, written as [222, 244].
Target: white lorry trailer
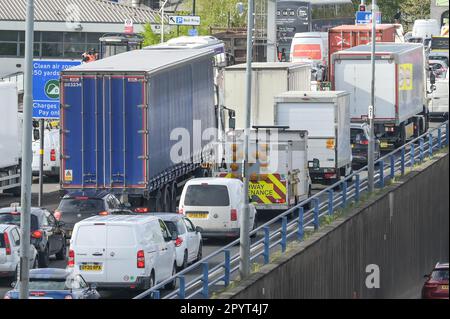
[401, 105]
[10, 141]
[278, 171]
[268, 80]
[326, 117]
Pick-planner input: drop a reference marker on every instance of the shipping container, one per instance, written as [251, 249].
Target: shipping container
[124, 118]
[326, 117]
[400, 96]
[10, 139]
[268, 80]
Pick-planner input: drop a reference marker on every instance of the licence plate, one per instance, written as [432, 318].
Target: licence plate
[384, 144]
[91, 267]
[444, 287]
[197, 215]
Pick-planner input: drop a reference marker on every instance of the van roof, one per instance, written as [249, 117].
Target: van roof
[119, 219]
[213, 181]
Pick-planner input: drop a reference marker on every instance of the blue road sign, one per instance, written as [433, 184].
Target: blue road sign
[193, 32]
[365, 17]
[46, 87]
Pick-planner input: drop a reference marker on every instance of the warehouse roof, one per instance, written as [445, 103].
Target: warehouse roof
[141, 61]
[89, 11]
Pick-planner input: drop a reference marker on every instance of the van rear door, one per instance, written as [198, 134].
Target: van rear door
[90, 252]
[121, 254]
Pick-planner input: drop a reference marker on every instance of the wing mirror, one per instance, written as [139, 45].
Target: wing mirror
[198, 229]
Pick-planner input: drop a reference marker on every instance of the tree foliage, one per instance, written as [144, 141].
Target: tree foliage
[220, 13]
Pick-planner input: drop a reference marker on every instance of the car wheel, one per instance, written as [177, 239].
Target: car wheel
[200, 251]
[61, 255]
[185, 260]
[44, 258]
[171, 285]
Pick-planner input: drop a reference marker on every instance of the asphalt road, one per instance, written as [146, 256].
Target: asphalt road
[51, 200]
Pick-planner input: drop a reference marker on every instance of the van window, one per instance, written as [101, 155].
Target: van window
[207, 195]
[121, 236]
[2, 241]
[91, 235]
[153, 233]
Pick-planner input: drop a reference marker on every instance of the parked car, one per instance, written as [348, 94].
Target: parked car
[47, 233]
[215, 205]
[436, 286]
[359, 138]
[10, 251]
[188, 245]
[123, 251]
[55, 283]
[80, 205]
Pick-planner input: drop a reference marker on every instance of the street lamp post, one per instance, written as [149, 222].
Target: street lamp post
[371, 111]
[244, 263]
[25, 204]
[162, 19]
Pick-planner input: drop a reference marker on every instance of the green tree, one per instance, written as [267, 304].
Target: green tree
[413, 10]
[219, 13]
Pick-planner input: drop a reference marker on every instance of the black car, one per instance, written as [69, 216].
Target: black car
[359, 138]
[80, 205]
[47, 234]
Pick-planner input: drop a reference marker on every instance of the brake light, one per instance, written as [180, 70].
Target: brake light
[364, 142]
[233, 215]
[141, 210]
[178, 241]
[280, 201]
[37, 293]
[82, 198]
[330, 175]
[104, 213]
[429, 285]
[57, 215]
[7, 244]
[36, 234]
[71, 261]
[140, 259]
[53, 155]
[7, 297]
[68, 297]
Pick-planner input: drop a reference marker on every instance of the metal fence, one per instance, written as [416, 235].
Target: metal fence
[216, 270]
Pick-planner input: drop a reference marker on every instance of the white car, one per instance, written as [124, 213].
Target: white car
[215, 205]
[188, 244]
[10, 251]
[123, 251]
[51, 154]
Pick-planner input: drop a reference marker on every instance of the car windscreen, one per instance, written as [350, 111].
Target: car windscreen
[75, 205]
[357, 135]
[440, 275]
[8, 218]
[207, 195]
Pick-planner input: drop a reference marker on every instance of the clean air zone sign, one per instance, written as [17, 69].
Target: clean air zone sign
[46, 87]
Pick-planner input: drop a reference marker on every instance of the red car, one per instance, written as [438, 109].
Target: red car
[436, 286]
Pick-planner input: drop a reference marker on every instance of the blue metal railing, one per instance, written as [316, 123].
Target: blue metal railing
[215, 271]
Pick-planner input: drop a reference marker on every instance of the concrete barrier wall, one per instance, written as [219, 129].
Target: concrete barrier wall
[404, 231]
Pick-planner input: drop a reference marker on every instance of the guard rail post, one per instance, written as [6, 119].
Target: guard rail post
[430, 144]
[439, 138]
[182, 290]
[412, 153]
[402, 161]
[446, 134]
[300, 223]
[283, 233]
[330, 202]
[381, 168]
[357, 187]
[344, 193]
[421, 149]
[266, 245]
[316, 213]
[227, 265]
[156, 294]
[392, 158]
[205, 289]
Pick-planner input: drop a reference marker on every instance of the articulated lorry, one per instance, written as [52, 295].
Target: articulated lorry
[10, 139]
[325, 115]
[401, 102]
[278, 169]
[133, 124]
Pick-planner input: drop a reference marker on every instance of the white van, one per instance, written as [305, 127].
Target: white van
[51, 153]
[426, 28]
[123, 251]
[215, 205]
[312, 46]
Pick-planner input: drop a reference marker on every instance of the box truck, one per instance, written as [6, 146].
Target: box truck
[401, 104]
[133, 124]
[10, 139]
[268, 80]
[326, 117]
[278, 166]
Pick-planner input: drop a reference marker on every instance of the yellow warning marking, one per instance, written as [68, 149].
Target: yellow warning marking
[68, 176]
[405, 76]
[277, 182]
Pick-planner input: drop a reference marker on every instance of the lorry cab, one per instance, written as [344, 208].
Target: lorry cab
[215, 205]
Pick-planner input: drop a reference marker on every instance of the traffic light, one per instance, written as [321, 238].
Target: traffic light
[362, 7]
